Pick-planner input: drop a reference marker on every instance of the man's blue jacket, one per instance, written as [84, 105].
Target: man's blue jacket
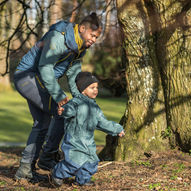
[51, 56]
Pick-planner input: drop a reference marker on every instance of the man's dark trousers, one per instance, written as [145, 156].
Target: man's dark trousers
[42, 108]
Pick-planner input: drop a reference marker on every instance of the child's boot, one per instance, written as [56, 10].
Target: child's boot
[56, 181]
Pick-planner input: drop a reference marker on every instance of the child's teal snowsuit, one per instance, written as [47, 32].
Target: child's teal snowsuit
[82, 116]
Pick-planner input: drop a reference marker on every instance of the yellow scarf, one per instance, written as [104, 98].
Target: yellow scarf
[78, 39]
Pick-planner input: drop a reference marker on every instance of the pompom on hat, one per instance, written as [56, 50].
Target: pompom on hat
[84, 79]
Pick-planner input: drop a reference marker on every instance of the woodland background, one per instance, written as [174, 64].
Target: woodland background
[143, 62]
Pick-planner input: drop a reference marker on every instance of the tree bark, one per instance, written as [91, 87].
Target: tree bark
[56, 12]
[4, 80]
[156, 46]
[15, 54]
[74, 12]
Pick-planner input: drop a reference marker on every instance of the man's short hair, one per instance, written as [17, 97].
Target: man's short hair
[92, 21]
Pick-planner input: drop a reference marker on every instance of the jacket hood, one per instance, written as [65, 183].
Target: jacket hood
[73, 39]
[85, 98]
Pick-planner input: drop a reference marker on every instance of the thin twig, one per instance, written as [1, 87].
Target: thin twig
[105, 164]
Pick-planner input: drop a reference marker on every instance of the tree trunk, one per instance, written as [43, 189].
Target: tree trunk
[156, 46]
[178, 73]
[4, 80]
[15, 54]
[74, 12]
[55, 13]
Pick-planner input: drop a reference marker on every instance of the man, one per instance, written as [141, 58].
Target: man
[35, 79]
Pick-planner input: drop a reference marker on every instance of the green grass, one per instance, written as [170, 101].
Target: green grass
[16, 121]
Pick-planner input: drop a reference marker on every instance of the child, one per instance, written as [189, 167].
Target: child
[82, 116]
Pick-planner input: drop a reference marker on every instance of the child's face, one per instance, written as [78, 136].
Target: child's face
[91, 91]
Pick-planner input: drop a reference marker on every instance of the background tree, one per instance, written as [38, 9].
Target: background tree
[156, 44]
[18, 31]
[3, 35]
[106, 62]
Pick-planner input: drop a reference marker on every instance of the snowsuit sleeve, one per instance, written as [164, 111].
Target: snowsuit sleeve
[54, 46]
[69, 110]
[71, 76]
[109, 127]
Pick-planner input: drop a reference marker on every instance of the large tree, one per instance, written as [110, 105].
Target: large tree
[157, 53]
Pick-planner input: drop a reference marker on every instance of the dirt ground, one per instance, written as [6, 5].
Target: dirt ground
[165, 171]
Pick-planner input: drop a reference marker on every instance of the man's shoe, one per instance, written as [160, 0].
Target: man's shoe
[24, 171]
[46, 161]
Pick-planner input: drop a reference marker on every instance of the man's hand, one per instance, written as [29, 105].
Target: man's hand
[60, 103]
[121, 134]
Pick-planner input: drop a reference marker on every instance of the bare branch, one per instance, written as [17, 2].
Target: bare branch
[9, 42]
[23, 4]
[75, 8]
[3, 3]
[73, 16]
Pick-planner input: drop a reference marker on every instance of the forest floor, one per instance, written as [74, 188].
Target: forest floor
[169, 171]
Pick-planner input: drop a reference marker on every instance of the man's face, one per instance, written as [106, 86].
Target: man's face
[91, 91]
[88, 35]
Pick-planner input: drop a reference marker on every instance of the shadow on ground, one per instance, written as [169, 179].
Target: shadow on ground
[170, 171]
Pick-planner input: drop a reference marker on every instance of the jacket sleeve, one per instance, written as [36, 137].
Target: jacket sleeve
[69, 110]
[71, 76]
[109, 127]
[54, 46]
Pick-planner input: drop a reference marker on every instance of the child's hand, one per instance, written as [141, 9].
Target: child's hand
[121, 134]
[62, 102]
[60, 110]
